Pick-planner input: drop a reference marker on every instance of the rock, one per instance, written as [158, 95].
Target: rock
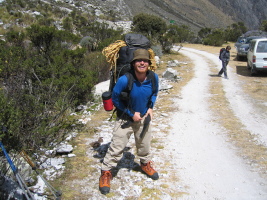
[52, 162]
[173, 63]
[64, 149]
[8, 187]
[157, 59]
[170, 74]
[81, 107]
[71, 155]
[163, 85]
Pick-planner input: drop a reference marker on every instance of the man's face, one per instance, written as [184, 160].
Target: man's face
[141, 65]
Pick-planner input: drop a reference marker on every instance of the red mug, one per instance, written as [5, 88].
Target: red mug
[107, 101]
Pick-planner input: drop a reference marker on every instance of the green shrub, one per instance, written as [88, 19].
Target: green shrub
[150, 25]
[96, 62]
[43, 82]
[216, 38]
[263, 25]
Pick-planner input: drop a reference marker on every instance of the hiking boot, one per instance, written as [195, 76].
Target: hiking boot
[150, 172]
[104, 181]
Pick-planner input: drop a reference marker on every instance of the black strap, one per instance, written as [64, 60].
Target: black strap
[145, 127]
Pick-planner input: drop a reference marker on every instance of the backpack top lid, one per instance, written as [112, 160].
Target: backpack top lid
[134, 39]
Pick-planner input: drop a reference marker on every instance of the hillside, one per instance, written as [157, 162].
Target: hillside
[194, 13]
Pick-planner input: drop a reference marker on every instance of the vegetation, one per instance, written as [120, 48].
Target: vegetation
[234, 31]
[217, 37]
[151, 26]
[175, 34]
[263, 26]
[42, 82]
[45, 73]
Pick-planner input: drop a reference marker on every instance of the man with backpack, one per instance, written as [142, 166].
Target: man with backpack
[224, 57]
[134, 112]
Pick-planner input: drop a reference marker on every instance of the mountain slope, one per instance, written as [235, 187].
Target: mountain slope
[205, 13]
[194, 13]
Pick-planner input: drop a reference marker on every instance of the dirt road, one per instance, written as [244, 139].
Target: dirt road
[206, 162]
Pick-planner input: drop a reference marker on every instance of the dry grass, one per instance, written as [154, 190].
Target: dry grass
[80, 167]
[77, 168]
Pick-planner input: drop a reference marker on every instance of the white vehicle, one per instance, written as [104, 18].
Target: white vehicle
[257, 55]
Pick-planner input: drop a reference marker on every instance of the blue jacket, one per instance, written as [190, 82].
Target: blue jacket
[141, 97]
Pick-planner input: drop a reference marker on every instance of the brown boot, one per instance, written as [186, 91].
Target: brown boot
[104, 181]
[147, 168]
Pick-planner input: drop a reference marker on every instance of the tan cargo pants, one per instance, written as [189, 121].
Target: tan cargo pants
[120, 139]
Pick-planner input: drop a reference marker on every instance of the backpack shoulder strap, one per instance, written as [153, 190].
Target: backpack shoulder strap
[151, 76]
[130, 78]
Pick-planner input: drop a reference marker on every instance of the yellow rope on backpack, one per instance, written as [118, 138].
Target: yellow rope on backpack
[153, 65]
[111, 54]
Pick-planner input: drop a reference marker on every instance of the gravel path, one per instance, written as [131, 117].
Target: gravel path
[205, 162]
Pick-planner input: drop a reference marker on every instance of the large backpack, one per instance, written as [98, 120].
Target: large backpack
[120, 54]
[125, 54]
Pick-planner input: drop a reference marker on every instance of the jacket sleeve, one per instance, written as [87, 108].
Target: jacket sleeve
[118, 103]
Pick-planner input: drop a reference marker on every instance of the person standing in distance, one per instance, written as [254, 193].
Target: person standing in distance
[225, 57]
[132, 118]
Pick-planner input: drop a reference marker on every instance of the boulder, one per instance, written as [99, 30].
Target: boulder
[170, 74]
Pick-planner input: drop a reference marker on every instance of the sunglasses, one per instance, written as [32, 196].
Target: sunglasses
[140, 60]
